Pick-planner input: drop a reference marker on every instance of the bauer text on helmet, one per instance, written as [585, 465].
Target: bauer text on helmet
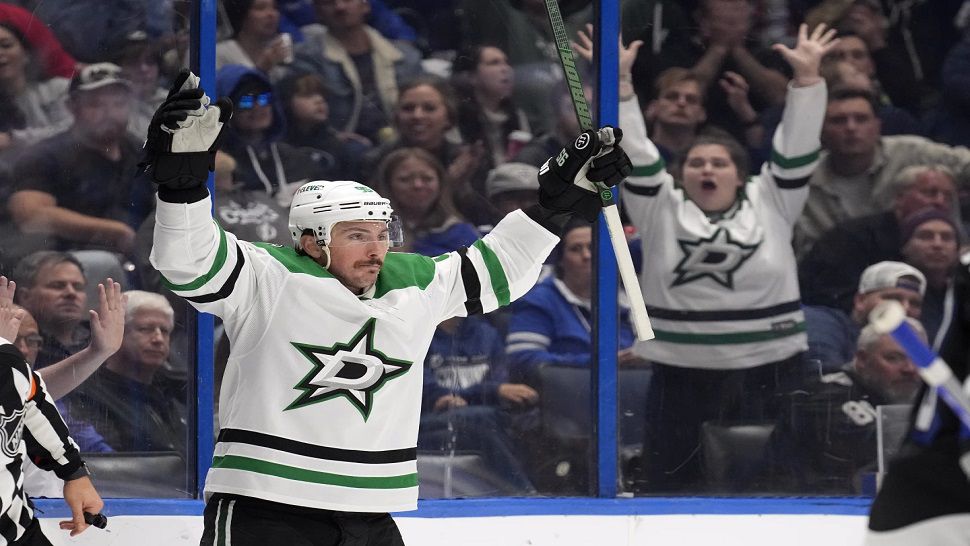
[321, 204]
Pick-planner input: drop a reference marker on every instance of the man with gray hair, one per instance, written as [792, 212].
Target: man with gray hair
[828, 274]
[832, 333]
[125, 398]
[826, 438]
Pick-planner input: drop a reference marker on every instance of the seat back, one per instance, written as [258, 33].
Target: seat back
[462, 474]
[564, 401]
[566, 409]
[98, 266]
[735, 454]
[157, 474]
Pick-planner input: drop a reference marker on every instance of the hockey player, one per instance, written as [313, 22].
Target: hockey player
[925, 496]
[719, 275]
[321, 397]
[30, 425]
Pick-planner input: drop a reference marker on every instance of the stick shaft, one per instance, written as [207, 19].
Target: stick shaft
[934, 371]
[889, 317]
[628, 275]
[624, 263]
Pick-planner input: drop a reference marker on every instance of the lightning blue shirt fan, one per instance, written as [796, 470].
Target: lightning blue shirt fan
[327, 416]
[722, 293]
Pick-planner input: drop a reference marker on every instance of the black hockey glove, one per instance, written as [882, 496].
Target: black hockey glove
[570, 183]
[184, 135]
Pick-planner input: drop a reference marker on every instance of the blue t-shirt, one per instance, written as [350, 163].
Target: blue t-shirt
[455, 236]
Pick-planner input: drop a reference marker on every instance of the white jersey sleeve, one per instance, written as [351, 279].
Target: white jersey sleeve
[649, 187]
[199, 261]
[795, 148]
[498, 268]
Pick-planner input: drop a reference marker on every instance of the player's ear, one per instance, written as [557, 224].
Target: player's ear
[309, 245]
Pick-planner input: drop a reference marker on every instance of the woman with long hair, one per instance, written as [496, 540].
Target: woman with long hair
[415, 182]
[426, 111]
[484, 80]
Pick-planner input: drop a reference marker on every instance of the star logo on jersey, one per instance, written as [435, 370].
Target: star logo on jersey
[11, 431]
[716, 257]
[354, 370]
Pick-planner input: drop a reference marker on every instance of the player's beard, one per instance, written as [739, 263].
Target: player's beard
[360, 280]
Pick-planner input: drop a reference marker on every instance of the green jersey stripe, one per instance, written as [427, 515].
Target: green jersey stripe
[793, 162]
[732, 338]
[293, 262]
[217, 264]
[249, 464]
[648, 170]
[496, 273]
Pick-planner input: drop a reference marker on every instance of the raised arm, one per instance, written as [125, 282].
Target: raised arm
[107, 333]
[23, 398]
[801, 125]
[627, 56]
[796, 142]
[649, 172]
[197, 259]
[641, 150]
[807, 55]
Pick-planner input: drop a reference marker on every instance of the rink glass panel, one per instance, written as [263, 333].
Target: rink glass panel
[500, 448]
[558, 458]
[153, 451]
[767, 437]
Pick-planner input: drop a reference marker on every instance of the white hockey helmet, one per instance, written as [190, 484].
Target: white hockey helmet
[320, 204]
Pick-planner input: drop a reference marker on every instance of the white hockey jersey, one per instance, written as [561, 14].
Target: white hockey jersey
[321, 396]
[724, 294]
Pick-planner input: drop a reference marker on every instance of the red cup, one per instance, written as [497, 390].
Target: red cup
[516, 141]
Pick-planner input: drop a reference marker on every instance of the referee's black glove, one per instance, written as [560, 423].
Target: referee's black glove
[184, 135]
[570, 183]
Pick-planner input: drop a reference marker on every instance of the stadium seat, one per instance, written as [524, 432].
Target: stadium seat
[458, 475]
[143, 475]
[98, 266]
[564, 403]
[735, 454]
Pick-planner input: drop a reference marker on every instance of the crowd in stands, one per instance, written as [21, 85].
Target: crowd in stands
[768, 213]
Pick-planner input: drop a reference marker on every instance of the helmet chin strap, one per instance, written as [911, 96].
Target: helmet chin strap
[326, 253]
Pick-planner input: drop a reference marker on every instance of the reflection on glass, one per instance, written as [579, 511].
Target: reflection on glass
[81, 87]
[549, 346]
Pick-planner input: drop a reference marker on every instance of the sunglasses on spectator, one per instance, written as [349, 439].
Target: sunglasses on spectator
[247, 102]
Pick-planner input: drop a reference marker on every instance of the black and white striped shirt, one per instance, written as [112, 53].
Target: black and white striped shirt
[29, 425]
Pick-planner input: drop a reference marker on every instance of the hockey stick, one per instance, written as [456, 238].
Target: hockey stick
[889, 318]
[624, 263]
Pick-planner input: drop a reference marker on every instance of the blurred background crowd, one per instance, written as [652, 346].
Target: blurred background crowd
[448, 108]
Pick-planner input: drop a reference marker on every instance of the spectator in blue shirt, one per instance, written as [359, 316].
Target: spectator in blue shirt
[465, 386]
[552, 324]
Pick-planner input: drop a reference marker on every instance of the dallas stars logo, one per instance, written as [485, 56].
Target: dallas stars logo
[717, 257]
[354, 370]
